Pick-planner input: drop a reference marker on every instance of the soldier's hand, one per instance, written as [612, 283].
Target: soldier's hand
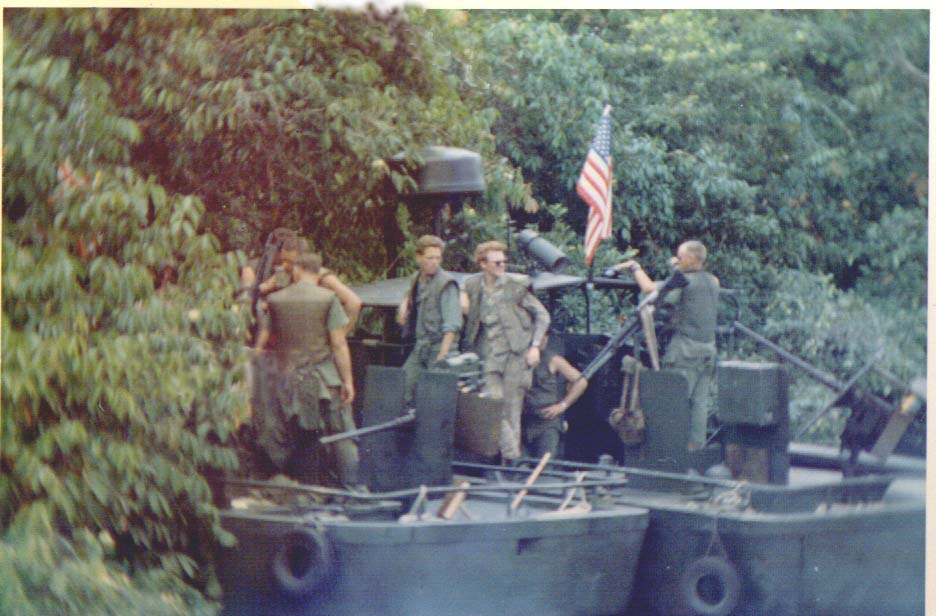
[533, 357]
[552, 411]
[347, 393]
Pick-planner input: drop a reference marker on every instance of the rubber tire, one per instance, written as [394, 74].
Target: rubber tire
[728, 578]
[313, 544]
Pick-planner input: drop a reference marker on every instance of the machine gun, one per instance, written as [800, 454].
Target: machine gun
[466, 366]
[868, 411]
[265, 269]
[398, 422]
[633, 324]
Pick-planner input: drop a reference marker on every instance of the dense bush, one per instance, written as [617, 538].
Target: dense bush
[122, 356]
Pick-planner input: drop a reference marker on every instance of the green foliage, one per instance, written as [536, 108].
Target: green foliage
[122, 354]
[45, 572]
[275, 118]
[839, 332]
[783, 140]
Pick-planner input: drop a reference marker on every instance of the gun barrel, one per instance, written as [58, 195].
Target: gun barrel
[826, 379]
[844, 390]
[630, 327]
[387, 425]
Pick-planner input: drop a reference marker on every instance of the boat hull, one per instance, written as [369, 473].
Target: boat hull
[579, 563]
[861, 564]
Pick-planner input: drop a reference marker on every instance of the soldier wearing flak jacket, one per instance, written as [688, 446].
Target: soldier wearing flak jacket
[505, 325]
[691, 351]
[431, 311]
[314, 388]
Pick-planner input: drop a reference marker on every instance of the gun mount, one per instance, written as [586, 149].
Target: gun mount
[871, 415]
[633, 325]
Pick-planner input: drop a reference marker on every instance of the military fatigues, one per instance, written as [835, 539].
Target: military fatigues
[691, 351]
[539, 433]
[502, 324]
[307, 387]
[434, 310]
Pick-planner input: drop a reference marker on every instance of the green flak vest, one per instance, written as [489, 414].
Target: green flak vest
[514, 319]
[426, 305]
[300, 316]
[697, 309]
[547, 387]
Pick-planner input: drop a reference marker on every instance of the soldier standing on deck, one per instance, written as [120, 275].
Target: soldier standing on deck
[314, 387]
[431, 310]
[692, 348]
[505, 326]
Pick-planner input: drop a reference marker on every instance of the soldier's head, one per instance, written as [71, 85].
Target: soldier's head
[279, 234]
[307, 263]
[429, 249]
[289, 251]
[491, 259]
[690, 255]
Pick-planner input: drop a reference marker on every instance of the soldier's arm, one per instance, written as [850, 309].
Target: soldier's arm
[577, 384]
[465, 303]
[342, 355]
[541, 322]
[577, 387]
[643, 280]
[263, 326]
[337, 339]
[451, 319]
[348, 298]
[403, 311]
[541, 318]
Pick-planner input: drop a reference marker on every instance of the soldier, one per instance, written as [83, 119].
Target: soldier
[557, 385]
[431, 310]
[505, 326]
[290, 247]
[314, 387]
[691, 351]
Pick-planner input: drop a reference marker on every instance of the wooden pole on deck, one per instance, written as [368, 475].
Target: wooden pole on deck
[531, 480]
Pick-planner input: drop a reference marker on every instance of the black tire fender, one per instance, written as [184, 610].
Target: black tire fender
[710, 586]
[303, 560]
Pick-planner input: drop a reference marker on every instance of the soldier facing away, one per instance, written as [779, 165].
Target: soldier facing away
[431, 311]
[314, 388]
[505, 325]
[290, 247]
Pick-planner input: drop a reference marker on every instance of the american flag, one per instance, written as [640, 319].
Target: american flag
[594, 186]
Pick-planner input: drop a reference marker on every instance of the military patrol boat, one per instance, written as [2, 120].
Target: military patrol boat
[446, 545]
[609, 529]
[752, 524]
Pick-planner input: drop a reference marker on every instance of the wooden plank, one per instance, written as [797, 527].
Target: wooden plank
[898, 423]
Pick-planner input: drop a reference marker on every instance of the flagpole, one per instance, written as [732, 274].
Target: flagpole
[588, 287]
[594, 187]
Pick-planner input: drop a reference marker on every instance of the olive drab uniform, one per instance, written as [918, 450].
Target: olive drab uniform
[502, 324]
[434, 310]
[691, 351]
[539, 433]
[307, 386]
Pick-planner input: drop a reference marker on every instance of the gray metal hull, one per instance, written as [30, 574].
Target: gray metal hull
[581, 563]
[857, 563]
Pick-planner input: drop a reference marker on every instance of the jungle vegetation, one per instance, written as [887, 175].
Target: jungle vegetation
[149, 152]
